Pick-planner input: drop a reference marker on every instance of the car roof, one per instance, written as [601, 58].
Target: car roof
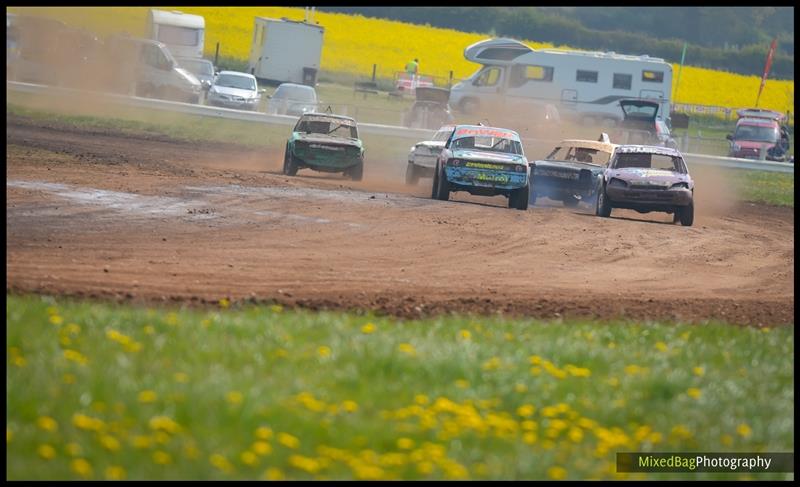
[294, 85]
[238, 73]
[592, 144]
[650, 149]
[327, 115]
[485, 128]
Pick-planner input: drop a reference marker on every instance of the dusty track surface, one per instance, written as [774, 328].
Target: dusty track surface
[146, 218]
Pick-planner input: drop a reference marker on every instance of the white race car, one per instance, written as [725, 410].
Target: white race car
[422, 156]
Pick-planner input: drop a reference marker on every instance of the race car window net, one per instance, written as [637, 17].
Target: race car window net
[327, 128]
[646, 160]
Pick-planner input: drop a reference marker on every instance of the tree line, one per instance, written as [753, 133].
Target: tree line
[658, 31]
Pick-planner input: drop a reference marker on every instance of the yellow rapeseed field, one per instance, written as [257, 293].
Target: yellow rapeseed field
[354, 43]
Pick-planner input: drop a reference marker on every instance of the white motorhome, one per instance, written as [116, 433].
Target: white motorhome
[286, 51]
[183, 34]
[585, 85]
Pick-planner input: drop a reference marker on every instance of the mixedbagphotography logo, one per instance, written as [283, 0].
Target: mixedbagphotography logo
[704, 462]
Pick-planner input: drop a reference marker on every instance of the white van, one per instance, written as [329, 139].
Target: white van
[184, 34]
[586, 86]
[145, 67]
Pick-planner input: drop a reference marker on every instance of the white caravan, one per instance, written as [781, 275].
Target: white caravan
[585, 85]
[286, 51]
[183, 34]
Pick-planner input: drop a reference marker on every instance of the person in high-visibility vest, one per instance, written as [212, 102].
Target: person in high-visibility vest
[412, 67]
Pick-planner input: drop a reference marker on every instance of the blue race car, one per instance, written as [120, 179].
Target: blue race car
[484, 161]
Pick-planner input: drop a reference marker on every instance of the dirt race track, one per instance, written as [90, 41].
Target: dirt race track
[149, 219]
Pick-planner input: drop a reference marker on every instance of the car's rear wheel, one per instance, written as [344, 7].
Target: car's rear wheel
[686, 215]
[412, 178]
[603, 207]
[289, 166]
[519, 198]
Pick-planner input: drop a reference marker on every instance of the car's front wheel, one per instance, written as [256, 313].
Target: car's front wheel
[519, 198]
[357, 172]
[289, 166]
[441, 187]
[603, 207]
[412, 178]
[686, 214]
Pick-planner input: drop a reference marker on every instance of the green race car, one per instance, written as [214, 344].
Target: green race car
[326, 143]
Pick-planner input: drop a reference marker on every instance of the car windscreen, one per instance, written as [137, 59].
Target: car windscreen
[756, 133]
[295, 93]
[640, 111]
[647, 160]
[442, 135]
[335, 128]
[233, 81]
[487, 143]
[198, 67]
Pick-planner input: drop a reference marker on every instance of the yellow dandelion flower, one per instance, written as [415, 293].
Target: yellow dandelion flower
[161, 457]
[680, 431]
[368, 328]
[661, 346]
[46, 451]
[529, 425]
[526, 410]
[694, 392]
[323, 351]
[81, 467]
[276, 308]
[234, 397]
[529, 438]
[557, 473]
[288, 440]
[300, 462]
[634, 369]
[224, 303]
[73, 449]
[699, 371]
[161, 437]
[262, 448]
[655, 437]
[727, 440]
[147, 396]
[421, 399]
[273, 473]
[141, 442]
[164, 423]
[56, 320]
[425, 468]
[249, 458]
[536, 370]
[72, 329]
[172, 319]
[191, 451]
[493, 363]
[744, 430]
[405, 443]
[75, 356]
[52, 310]
[350, 406]
[81, 421]
[109, 442]
[263, 433]
[575, 435]
[115, 472]
[407, 348]
[535, 360]
[47, 423]
[462, 384]
[149, 330]
[221, 463]
[465, 334]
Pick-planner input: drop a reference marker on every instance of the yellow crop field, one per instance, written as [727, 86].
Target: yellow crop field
[354, 43]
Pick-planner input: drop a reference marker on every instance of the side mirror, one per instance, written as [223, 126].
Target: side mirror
[729, 137]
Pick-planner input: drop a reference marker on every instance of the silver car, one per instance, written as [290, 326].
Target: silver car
[292, 99]
[232, 89]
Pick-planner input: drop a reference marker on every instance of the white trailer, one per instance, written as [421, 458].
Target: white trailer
[183, 34]
[584, 85]
[286, 51]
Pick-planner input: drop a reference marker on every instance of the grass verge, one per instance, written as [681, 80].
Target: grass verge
[112, 391]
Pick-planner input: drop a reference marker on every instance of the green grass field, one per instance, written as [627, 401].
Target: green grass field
[97, 391]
